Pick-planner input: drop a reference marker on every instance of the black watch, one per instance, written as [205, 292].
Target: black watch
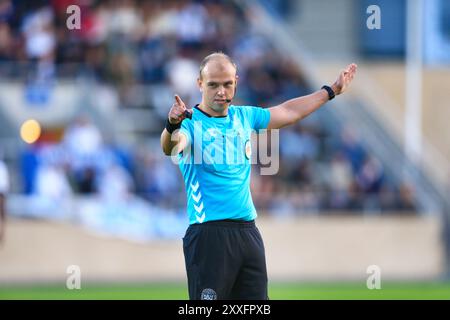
[330, 91]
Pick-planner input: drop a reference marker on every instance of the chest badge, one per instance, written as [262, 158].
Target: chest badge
[248, 149]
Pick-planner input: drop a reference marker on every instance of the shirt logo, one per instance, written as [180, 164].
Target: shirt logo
[248, 149]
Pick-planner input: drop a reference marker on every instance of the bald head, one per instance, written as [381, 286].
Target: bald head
[219, 60]
[217, 82]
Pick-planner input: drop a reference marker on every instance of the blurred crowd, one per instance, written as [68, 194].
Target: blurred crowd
[159, 44]
[129, 42]
[320, 172]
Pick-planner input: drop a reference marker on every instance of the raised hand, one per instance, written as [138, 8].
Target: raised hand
[178, 111]
[344, 79]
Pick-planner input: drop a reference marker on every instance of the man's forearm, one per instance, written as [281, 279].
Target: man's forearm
[301, 107]
[168, 142]
[171, 141]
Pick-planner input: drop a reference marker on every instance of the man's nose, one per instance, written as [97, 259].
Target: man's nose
[221, 91]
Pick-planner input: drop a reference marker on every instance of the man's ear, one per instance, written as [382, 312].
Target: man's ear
[199, 84]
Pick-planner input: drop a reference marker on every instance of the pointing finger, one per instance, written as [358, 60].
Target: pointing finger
[178, 100]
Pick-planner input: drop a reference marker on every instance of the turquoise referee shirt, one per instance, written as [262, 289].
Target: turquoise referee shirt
[216, 163]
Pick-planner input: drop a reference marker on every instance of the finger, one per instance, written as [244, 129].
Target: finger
[178, 100]
[182, 117]
[178, 109]
[350, 69]
[175, 112]
[173, 119]
[179, 113]
[177, 117]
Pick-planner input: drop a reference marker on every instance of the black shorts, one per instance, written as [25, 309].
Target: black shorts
[225, 260]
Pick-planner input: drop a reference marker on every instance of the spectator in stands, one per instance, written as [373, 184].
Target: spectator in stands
[156, 181]
[6, 42]
[40, 42]
[4, 188]
[193, 25]
[52, 183]
[340, 180]
[352, 148]
[182, 72]
[406, 198]
[115, 183]
[83, 141]
[370, 181]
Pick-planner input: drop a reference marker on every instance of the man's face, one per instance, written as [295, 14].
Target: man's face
[217, 84]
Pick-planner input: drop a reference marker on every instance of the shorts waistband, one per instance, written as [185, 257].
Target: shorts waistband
[226, 223]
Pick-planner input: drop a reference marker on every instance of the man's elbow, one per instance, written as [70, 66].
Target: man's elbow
[292, 120]
[167, 151]
[291, 116]
[164, 148]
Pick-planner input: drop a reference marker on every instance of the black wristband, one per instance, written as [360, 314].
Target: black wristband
[172, 127]
[330, 91]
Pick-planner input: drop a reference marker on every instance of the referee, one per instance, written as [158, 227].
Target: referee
[223, 249]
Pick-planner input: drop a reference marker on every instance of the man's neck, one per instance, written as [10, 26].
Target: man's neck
[212, 112]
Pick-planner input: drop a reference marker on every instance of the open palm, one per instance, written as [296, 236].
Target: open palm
[344, 79]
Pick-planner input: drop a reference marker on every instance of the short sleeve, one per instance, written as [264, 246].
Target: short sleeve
[259, 117]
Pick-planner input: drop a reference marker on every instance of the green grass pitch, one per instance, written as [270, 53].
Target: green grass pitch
[277, 291]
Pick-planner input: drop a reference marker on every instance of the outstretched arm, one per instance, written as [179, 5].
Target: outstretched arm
[292, 111]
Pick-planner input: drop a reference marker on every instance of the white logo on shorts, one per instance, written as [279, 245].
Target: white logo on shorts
[208, 294]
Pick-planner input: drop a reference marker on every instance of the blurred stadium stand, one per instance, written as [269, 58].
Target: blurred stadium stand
[102, 93]
[322, 249]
